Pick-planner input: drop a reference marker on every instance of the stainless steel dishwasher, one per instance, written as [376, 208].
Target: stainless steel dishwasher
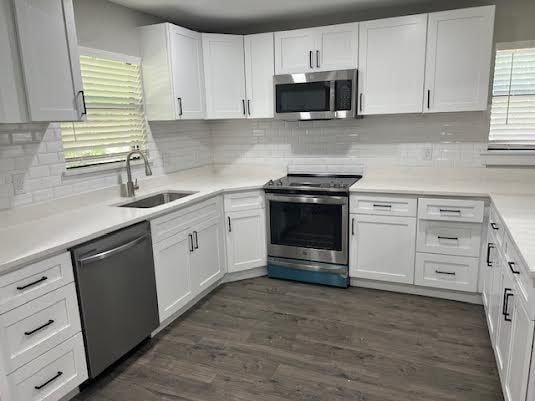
[116, 293]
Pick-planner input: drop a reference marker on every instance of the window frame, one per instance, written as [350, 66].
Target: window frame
[112, 165]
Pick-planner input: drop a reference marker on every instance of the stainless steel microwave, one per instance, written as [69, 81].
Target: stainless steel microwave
[316, 95]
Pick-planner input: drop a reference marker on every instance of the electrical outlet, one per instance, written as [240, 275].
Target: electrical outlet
[428, 153]
[18, 184]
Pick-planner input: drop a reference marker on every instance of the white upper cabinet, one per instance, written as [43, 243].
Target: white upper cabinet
[459, 46]
[173, 76]
[44, 77]
[259, 70]
[391, 65]
[325, 48]
[224, 73]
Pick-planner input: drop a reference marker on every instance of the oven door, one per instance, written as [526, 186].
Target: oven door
[308, 227]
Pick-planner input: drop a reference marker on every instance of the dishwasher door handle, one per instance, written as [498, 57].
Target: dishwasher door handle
[111, 252]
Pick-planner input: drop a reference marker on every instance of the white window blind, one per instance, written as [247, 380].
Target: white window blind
[115, 121]
[512, 123]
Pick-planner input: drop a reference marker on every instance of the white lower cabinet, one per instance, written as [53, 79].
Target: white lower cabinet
[382, 248]
[446, 271]
[246, 239]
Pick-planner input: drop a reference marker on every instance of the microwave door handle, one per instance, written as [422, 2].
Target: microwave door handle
[332, 97]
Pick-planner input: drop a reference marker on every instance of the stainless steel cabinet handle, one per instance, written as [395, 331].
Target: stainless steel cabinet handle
[310, 59]
[191, 247]
[249, 106]
[229, 225]
[44, 278]
[49, 381]
[490, 246]
[243, 105]
[446, 273]
[107, 254]
[511, 266]
[180, 111]
[318, 58]
[353, 226]
[196, 239]
[507, 293]
[29, 333]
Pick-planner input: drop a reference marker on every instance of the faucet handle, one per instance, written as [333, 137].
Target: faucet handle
[136, 185]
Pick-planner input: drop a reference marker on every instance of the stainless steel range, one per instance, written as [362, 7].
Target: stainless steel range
[308, 227]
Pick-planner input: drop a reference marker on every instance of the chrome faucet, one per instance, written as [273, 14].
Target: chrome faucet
[130, 188]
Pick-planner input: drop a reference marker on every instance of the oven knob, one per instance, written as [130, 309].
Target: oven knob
[279, 183]
[270, 182]
[332, 184]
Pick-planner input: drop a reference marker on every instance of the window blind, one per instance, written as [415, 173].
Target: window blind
[512, 123]
[115, 121]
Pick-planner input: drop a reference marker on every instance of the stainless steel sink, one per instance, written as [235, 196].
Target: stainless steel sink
[157, 199]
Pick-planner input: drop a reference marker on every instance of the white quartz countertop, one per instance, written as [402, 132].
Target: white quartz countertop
[29, 234]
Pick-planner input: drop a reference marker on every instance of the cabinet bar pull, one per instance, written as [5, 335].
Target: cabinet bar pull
[84, 112]
[191, 248]
[507, 293]
[378, 205]
[44, 278]
[196, 239]
[49, 381]
[353, 226]
[310, 59]
[29, 333]
[249, 106]
[229, 225]
[450, 238]
[511, 266]
[318, 58]
[494, 226]
[489, 247]
[180, 112]
[243, 105]
[360, 102]
[450, 211]
[443, 272]
[428, 99]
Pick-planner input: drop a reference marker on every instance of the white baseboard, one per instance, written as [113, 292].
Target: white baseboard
[472, 298]
[246, 274]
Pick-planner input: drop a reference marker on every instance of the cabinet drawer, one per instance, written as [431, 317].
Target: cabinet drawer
[451, 210]
[176, 222]
[51, 376]
[519, 272]
[449, 238]
[240, 201]
[445, 271]
[383, 205]
[32, 281]
[34, 328]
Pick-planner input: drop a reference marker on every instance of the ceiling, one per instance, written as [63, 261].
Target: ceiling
[248, 16]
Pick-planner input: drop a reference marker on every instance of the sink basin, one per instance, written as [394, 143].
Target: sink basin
[157, 200]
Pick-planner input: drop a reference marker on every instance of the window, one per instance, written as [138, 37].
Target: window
[115, 121]
[512, 124]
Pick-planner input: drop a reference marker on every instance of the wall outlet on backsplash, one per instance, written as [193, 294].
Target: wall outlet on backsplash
[427, 153]
[18, 184]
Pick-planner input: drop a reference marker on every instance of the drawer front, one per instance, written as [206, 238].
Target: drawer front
[176, 222]
[447, 272]
[383, 205]
[34, 328]
[51, 376]
[449, 238]
[32, 281]
[496, 227]
[518, 269]
[240, 201]
[451, 210]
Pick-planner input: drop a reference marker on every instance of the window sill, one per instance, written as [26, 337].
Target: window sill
[508, 158]
[104, 168]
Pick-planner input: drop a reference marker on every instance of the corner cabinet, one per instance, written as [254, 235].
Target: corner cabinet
[459, 53]
[39, 82]
[391, 65]
[173, 76]
[239, 75]
[325, 48]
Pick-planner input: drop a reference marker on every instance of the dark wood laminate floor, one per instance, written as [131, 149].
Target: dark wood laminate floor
[271, 340]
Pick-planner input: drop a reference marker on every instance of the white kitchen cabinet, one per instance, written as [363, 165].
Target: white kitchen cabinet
[208, 257]
[42, 76]
[459, 46]
[391, 65]
[172, 267]
[382, 248]
[259, 70]
[224, 72]
[173, 75]
[333, 47]
[516, 381]
[246, 239]
[503, 340]
[487, 267]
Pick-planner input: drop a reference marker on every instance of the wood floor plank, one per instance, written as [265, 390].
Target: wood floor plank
[272, 340]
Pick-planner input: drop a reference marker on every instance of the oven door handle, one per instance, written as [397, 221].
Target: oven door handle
[320, 200]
